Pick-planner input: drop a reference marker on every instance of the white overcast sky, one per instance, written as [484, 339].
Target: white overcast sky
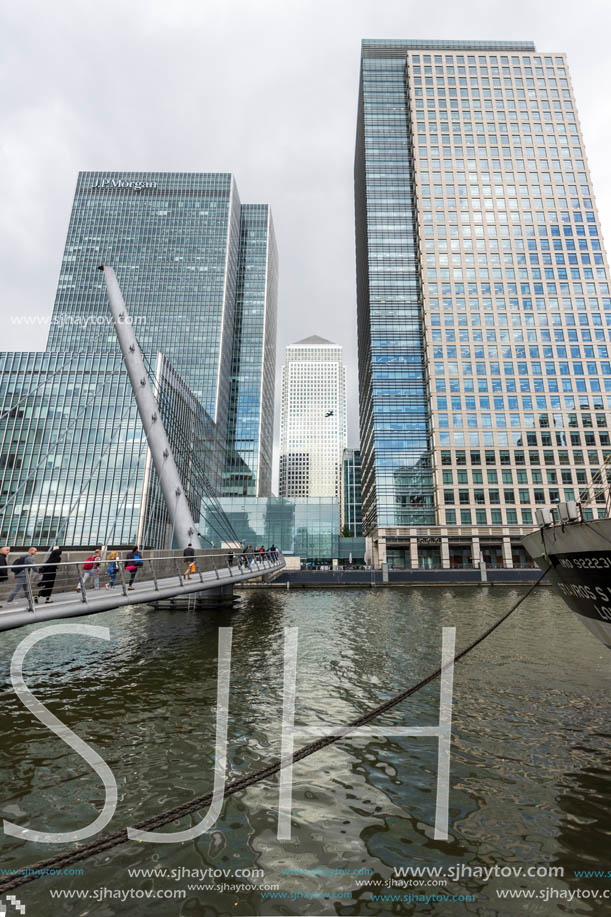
[261, 88]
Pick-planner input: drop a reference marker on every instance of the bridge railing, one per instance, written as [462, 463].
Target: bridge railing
[37, 583]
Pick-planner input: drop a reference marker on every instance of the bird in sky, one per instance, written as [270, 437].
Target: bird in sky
[329, 414]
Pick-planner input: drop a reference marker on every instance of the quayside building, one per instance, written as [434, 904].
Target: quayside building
[484, 311]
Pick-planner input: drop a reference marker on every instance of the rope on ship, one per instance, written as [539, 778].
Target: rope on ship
[103, 844]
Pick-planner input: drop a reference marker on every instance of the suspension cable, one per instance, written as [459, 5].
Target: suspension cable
[52, 446]
[111, 841]
[198, 472]
[64, 524]
[45, 381]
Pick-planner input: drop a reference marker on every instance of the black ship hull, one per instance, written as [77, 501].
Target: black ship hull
[579, 557]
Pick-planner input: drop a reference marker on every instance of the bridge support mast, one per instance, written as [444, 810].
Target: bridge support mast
[161, 453]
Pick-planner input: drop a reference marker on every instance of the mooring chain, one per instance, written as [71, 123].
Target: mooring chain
[37, 870]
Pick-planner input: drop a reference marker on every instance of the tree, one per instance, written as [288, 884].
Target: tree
[346, 532]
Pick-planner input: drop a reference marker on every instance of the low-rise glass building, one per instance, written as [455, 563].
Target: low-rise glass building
[307, 527]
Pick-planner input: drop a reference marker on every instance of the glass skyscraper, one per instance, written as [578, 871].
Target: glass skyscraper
[250, 429]
[351, 501]
[174, 240]
[199, 276]
[483, 299]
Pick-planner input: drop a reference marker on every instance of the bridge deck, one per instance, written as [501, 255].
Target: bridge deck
[71, 604]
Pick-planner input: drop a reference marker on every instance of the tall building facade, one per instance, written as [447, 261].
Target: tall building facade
[250, 428]
[173, 241]
[483, 299]
[351, 501]
[313, 425]
[198, 272]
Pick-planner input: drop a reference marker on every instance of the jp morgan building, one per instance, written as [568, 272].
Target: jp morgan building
[198, 273]
[483, 300]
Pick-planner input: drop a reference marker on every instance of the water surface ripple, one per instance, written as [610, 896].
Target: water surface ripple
[530, 748]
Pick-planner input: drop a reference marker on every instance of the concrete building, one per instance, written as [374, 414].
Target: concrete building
[483, 299]
[313, 425]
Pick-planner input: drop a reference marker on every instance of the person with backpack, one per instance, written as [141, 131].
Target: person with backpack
[20, 569]
[133, 562]
[112, 568]
[49, 573]
[91, 567]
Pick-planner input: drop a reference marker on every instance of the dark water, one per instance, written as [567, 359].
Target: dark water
[531, 752]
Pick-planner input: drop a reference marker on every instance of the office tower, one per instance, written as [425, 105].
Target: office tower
[250, 429]
[483, 299]
[173, 240]
[350, 494]
[198, 274]
[313, 428]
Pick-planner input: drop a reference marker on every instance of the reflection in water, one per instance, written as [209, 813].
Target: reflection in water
[530, 750]
[585, 801]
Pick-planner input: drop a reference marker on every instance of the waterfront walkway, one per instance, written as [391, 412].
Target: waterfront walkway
[145, 591]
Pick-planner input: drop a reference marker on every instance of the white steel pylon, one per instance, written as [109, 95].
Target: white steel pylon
[159, 445]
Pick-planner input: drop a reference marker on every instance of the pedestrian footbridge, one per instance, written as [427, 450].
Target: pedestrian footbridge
[160, 577]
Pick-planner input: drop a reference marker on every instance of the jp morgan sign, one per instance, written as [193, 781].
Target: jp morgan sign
[119, 184]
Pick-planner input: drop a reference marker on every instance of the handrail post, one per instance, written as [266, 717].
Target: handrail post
[199, 571]
[28, 589]
[229, 567]
[122, 576]
[178, 573]
[80, 579]
[154, 574]
[215, 568]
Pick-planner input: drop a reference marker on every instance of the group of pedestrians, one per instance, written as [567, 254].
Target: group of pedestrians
[92, 565]
[25, 567]
[256, 555]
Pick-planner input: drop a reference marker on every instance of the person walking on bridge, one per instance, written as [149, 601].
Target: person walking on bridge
[91, 567]
[49, 573]
[20, 568]
[133, 562]
[189, 558]
[112, 568]
[4, 553]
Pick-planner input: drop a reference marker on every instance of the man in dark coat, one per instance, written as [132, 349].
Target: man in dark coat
[49, 572]
[4, 553]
